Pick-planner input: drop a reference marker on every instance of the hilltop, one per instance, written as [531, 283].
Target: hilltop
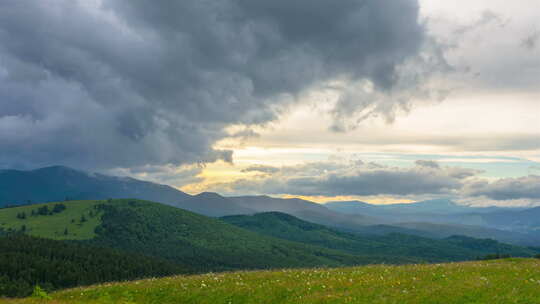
[496, 282]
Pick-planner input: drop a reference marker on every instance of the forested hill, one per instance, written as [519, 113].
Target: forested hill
[26, 262]
[197, 242]
[453, 248]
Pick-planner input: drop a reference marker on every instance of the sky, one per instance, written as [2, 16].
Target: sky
[382, 101]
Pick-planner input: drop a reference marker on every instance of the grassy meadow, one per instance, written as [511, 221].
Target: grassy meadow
[54, 226]
[497, 281]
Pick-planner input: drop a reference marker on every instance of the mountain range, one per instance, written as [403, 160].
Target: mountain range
[440, 218]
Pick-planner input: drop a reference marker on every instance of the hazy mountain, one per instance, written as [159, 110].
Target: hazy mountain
[436, 206]
[305, 210]
[518, 220]
[442, 218]
[213, 204]
[446, 230]
[288, 227]
[59, 183]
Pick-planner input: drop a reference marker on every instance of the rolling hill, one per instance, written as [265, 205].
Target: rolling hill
[497, 282]
[453, 248]
[195, 242]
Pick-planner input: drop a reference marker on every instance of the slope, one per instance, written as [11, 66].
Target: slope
[196, 242]
[456, 248]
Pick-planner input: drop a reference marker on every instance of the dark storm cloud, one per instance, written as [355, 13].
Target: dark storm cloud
[135, 83]
[526, 187]
[355, 178]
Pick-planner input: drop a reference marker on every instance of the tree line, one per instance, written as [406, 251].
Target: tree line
[26, 262]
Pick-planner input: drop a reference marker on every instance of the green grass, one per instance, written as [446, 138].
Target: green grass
[53, 226]
[499, 281]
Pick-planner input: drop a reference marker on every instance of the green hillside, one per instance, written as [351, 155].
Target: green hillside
[80, 218]
[206, 244]
[454, 248]
[195, 242]
[494, 282]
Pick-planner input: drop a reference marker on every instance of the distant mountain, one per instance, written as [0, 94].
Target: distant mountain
[213, 204]
[446, 217]
[519, 220]
[436, 206]
[288, 227]
[59, 183]
[446, 230]
[305, 210]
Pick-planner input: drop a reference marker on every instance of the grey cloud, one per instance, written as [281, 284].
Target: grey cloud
[460, 143]
[261, 169]
[413, 80]
[526, 187]
[135, 83]
[167, 174]
[486, 18]
[530, 42]
[336, 179]
[427, 163]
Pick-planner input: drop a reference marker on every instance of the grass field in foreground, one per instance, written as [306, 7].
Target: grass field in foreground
[498, 281]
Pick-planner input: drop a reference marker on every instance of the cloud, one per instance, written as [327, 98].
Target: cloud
[531, 40]
[526, 187]
[352, 179]
[424, 180]
[135, 83]
[427, 163]
[487, 17]
[167, 174]
[261, 169]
